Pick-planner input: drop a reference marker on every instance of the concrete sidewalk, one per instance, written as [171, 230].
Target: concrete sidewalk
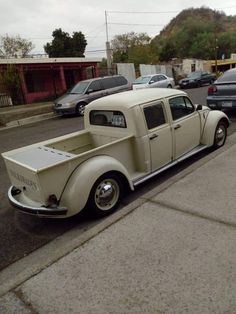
[171, 251]
[22, 114]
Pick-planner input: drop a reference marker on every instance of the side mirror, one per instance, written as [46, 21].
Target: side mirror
[90, 90]
[151, 82]
[199, 107]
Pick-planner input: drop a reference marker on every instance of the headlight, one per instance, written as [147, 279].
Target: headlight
[68, 105]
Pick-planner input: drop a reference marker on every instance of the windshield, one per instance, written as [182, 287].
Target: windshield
[79, 88]
[194, 75]
[142, 80]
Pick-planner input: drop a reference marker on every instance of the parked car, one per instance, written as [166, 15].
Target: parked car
[128, 138]
[197, 79]
[222, 94]
[75, 100]
[153, 80]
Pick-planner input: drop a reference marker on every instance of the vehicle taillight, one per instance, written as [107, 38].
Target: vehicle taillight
[212, 89]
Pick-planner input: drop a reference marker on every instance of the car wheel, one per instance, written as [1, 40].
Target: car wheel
[169, 86]
[220, 135]
[80, 109]
[199, 84]
[105, 195]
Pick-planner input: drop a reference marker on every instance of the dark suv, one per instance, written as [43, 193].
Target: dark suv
[75, 100]
[197, 79]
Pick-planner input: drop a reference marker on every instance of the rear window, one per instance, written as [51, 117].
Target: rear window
[227, 77]
[107, 118]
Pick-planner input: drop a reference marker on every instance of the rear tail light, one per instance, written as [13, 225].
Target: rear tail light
[212, 89]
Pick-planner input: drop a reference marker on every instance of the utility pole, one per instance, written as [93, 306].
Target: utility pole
[108, 48]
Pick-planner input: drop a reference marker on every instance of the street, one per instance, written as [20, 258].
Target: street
[22, 234]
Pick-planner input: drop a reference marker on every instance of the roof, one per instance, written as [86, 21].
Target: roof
[48, 60]
[133, 98]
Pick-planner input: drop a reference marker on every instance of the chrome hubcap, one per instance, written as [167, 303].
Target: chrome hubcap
[107, 194]
[220, 135]
[81, 109]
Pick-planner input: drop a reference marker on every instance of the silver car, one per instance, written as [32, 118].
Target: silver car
[153, 80]
[75, 100]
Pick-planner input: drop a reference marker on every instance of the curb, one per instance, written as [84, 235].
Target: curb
[19, 272]
[29, 120]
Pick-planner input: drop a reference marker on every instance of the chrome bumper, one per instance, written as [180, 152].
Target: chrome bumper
[38, 211]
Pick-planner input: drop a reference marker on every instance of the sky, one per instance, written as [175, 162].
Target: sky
[35, 20]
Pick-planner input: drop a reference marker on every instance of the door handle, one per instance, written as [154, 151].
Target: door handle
[177, 126]
[151, 137]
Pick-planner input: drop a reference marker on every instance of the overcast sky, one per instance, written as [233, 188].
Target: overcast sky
[36, 19]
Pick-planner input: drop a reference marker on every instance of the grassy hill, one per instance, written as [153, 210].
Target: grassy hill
[195, 33]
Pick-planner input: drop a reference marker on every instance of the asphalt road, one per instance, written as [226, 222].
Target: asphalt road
[22, 234]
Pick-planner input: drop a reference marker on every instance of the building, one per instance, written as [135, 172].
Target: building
[44, 79]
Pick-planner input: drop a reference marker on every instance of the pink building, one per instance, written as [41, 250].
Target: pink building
[47, 78]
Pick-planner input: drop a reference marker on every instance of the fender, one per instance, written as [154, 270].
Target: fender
[212, 119]
[80, 183]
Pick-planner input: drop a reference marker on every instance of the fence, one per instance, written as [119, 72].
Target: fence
[5, 100]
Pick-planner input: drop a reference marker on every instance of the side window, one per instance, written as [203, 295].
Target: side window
[161, 78]
[120, 80]
[108, 82]
[154, 78]
[154, 115]
[95, 86]
[180, 107]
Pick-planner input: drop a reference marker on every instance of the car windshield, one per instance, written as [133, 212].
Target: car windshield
[79, 88]
[228, 77]
[142, 80]
[194, 75]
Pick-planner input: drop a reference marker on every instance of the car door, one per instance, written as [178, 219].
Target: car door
[153, 81]
[162, 81]
[159, 134]
[186, 125]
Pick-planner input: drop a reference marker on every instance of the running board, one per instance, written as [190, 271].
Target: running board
[171, 164]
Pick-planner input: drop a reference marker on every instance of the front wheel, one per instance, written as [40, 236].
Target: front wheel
[80, 109]
[220, 135]
[105, 195]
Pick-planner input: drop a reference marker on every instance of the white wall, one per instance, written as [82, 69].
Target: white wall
[127, 70]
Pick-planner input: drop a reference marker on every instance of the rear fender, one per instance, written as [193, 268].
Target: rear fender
[212, 119]
[80, 183]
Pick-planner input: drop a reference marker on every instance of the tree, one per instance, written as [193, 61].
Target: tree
[13, 47]
[63, 45]
[11, 84]
[127, 45]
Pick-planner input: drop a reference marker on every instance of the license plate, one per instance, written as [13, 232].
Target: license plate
[227, 104]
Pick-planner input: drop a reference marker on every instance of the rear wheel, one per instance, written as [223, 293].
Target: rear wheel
[105, 195]
[220, 134]
[80, 109]
[169, 86]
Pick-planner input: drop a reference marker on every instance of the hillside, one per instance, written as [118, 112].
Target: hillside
[197, 33]
[203, 15]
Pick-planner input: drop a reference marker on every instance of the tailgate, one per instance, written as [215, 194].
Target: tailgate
[24, 166]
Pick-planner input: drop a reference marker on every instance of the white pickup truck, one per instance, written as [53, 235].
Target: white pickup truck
[128, 138]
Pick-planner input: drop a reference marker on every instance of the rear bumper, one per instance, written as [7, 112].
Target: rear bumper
[36, 211]
[221, 102]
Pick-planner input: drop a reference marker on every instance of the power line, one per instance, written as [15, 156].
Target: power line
[142, 12]
[136, 24]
